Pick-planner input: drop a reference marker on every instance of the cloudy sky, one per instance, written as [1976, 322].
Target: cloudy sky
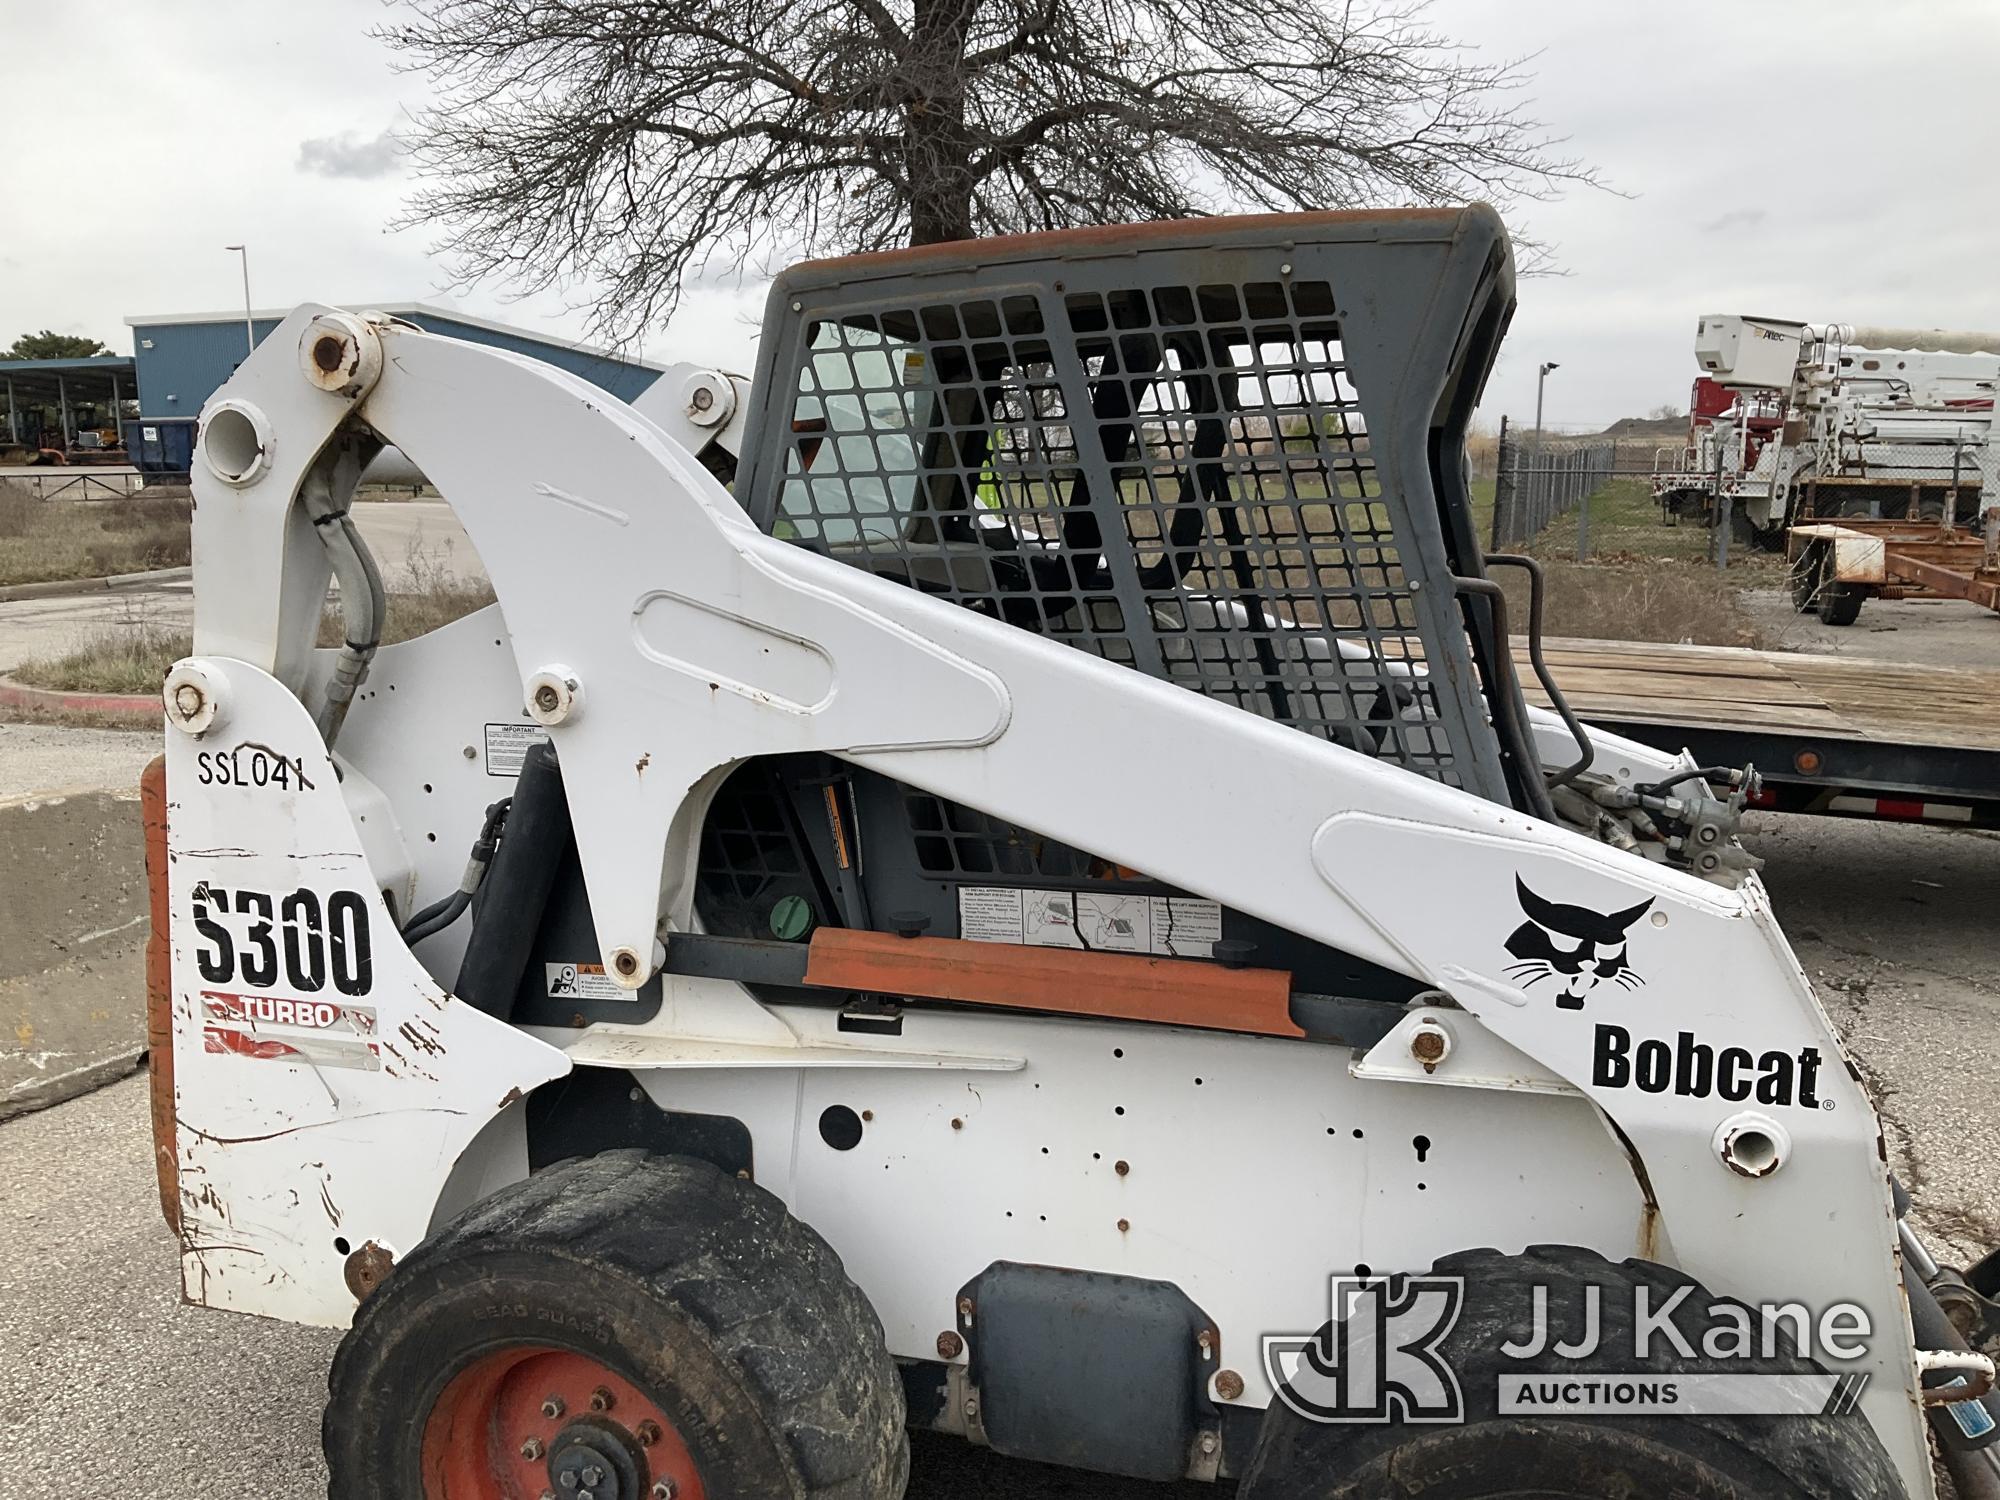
[1827, 160]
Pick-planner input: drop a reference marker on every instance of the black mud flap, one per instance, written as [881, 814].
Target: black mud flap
[1092, 1371]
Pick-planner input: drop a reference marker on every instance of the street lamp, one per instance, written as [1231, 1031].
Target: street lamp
[1541, 379]
[250, 329]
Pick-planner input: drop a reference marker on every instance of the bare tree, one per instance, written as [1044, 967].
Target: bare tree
[638, 144]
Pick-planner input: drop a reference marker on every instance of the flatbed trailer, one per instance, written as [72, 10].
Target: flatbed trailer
[1828, 734]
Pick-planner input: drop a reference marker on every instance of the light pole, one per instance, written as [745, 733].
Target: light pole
[250, 328]
[1541, 379]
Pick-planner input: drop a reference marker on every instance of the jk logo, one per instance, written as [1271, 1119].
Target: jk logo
[1376, 1360]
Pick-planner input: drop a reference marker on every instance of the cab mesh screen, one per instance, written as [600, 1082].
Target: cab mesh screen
[1177, 478]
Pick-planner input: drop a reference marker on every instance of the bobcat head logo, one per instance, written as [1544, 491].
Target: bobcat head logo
[1578, 947]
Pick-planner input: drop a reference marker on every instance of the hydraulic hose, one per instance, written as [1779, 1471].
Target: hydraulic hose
[439, 915]
[1504, 698]
[327, 493]
[1588, 751]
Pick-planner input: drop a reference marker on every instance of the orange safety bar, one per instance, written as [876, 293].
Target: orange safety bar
[160, 991]
[1119, 986]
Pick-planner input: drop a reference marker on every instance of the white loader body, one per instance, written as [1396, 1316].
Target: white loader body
[333, 1102]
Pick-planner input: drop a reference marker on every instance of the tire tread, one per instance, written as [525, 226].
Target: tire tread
[769, 1294]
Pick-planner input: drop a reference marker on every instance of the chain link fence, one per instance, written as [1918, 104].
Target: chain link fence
[1615, 500]
[1534, 488]
[1898, 481]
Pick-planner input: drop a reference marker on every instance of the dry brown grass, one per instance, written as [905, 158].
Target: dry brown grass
[1657, 600]
[68, 718]
[131, 656]
[41, 540]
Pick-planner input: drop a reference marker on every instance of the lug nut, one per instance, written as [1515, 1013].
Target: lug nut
[553, 1408]
[592, 1474]
[648, 1433]
[567, 1479]
[532, 1449]
[601, 1399]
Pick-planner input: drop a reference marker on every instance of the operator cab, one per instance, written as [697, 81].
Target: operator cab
[1187, 449]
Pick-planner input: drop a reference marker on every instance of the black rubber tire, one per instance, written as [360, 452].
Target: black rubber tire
[1569, 1458]
[1805, 576]
[736, 1318]
[1840, 603]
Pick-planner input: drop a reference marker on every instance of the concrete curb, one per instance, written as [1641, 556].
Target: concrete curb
[123, 705]
[56, 587]
[46, 1093]
[73, 932]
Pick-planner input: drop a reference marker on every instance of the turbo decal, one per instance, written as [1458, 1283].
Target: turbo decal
[287, 1028]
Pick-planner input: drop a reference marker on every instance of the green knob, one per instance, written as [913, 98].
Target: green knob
[791, 918]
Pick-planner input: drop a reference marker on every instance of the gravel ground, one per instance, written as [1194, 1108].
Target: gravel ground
[1930, 632]
[47, 758]
[1892, 923]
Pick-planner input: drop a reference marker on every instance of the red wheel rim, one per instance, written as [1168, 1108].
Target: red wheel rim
[510, 1419]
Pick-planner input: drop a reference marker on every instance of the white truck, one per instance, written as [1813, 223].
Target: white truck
[1877, 422]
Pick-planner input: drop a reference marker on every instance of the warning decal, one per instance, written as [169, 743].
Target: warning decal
[507, 747]
[583, 982]
[1102, 922]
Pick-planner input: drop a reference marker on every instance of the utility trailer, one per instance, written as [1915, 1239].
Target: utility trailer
[1042, 915]
[1827, 734]
[1838, 565]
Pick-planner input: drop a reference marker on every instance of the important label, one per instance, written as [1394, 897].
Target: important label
[1174, 926]
[507, 747]
[583, 982]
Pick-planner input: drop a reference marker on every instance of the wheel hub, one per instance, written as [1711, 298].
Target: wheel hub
[525, 1423]
[589, 1462]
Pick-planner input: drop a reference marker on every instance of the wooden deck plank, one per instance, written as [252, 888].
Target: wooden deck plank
[1682, 685]
[1721, 687]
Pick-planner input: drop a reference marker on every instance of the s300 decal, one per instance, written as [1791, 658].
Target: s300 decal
[297, 940]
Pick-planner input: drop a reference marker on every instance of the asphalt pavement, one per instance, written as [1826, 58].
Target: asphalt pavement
[400, 533]
[111, 1387]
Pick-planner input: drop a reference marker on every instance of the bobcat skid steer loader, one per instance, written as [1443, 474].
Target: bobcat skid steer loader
[1042, 915]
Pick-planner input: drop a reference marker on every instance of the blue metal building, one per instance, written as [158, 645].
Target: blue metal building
[181, 358]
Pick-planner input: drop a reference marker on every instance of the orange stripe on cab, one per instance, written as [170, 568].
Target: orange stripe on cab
[1118, 986]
